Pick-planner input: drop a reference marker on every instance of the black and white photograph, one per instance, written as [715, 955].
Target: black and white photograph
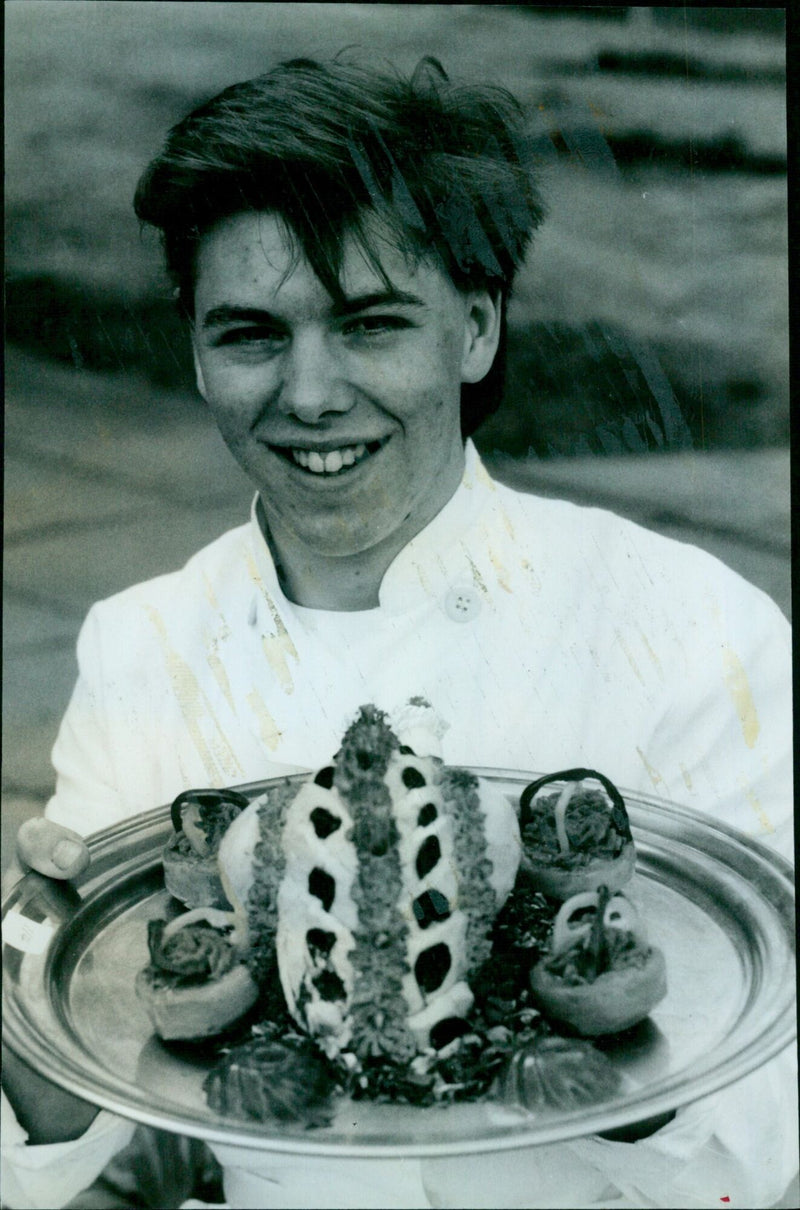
[397, 785]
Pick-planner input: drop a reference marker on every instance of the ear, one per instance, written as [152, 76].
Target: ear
[481, 333]
[198, 372]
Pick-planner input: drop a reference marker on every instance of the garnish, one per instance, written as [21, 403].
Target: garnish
[194, 954]
[377, 1007]
[476, 896]
[272, 1078]
[557, 1073]
[269, 862]
[593, 933]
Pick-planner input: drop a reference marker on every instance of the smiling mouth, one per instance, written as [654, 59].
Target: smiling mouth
[330, 462]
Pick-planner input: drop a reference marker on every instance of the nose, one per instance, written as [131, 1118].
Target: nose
[312, 383]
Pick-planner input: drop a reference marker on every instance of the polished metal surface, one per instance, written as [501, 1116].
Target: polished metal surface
[719, 905]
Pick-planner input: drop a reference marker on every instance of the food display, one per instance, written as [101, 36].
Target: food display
[385, 873]
[576, 834]
[383, 937]
[601, 974]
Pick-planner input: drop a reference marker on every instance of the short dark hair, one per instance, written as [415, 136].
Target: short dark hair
[328, 145]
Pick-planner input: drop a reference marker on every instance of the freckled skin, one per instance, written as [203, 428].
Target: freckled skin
[302, 375]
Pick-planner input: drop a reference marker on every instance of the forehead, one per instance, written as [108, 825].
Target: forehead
[257, 251]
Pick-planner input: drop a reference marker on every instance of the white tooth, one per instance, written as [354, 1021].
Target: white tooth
[348, 456]
[301, 457]
[360, 450]
[333, 462]
[315, 462]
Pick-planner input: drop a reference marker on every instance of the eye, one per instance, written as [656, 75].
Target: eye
[376, 325]
[250, 336]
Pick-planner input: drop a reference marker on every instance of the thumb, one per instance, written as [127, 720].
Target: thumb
[51, 849]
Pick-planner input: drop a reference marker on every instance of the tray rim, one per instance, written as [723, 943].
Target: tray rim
[779, 1033]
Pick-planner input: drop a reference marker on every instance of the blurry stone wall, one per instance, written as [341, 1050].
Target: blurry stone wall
[653, 311]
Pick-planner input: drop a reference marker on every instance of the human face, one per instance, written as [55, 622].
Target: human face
[346, 417]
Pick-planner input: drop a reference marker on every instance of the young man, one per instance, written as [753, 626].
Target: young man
[344, 245]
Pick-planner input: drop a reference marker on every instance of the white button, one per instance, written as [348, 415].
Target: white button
[462, 604]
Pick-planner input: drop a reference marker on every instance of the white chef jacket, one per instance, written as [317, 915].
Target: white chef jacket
[550, 636]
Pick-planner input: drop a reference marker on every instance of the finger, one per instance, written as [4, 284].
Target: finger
[51, 849]
[11, 875]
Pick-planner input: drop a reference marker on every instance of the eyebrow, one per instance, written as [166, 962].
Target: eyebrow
[228, 313]
[379, 298]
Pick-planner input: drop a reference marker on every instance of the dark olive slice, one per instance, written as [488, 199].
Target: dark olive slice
[430, 907]
[431, 967]
[320, 942]
[447, 1030]
[324, 822]
[427, 814]
[329, 985]
[428, 855]
[323, 886]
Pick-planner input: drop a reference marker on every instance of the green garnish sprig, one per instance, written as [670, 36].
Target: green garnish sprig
[378, 1008]
[269, 866]
[476, 895]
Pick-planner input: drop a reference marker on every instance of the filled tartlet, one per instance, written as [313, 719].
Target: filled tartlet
[601, 976]
[576, 834]
[200, 819]
[196, 984]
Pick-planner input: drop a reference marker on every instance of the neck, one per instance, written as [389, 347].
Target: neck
[320, 581]
[344, 583]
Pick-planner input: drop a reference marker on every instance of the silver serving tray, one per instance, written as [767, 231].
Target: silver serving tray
[720, 906]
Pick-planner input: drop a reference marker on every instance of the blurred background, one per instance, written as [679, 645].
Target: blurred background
[649, 331]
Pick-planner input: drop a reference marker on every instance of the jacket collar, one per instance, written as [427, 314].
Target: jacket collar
[437, 560]
[434, 563]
